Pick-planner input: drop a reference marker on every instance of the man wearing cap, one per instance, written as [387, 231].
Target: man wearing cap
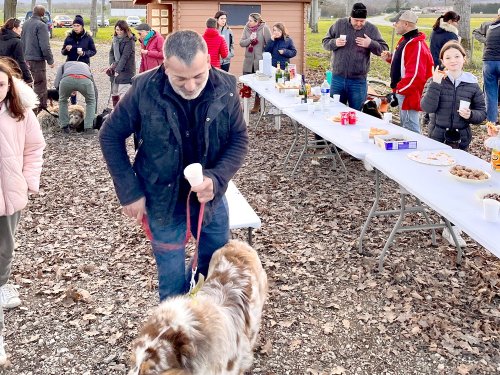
[351, 41]
[151, 47]
[411, 66]
[489, 34]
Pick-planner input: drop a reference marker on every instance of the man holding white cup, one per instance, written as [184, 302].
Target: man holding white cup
[182, 113]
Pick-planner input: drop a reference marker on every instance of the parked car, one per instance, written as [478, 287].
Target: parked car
[21, 19]
[133, 21]
[99, 22]
[63, 21]
[46, 18]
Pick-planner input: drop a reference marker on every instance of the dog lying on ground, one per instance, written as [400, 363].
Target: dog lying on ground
[49, 118]
[212, 333]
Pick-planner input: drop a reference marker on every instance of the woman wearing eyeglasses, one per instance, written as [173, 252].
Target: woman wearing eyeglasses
[11, 46]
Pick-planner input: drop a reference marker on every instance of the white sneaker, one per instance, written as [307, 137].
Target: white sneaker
[9, 296]
[3, 356]
[458, 233]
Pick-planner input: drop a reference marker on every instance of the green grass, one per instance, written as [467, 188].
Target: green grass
[318, 58]
[104, 34]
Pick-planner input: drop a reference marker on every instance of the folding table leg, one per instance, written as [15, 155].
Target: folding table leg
[371, 214]
[250, 236]
[452, 232]
[336, 151]
[295, 139]
[262, 111]
[306, 137]
[428, 221]
[246, 111]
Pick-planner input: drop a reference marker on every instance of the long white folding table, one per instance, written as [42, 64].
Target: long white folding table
[454, 200]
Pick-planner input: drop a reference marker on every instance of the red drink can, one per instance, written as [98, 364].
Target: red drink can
[344, 118]
[352, 118]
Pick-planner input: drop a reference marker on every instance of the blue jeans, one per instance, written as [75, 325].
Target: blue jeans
[409, 118]
[172, 276]
[491, 74]
[352, 91]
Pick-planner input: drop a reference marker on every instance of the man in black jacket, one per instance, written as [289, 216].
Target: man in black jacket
[182, 112]
[35, 38]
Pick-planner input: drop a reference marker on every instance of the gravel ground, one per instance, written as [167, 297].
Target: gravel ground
[87, 278]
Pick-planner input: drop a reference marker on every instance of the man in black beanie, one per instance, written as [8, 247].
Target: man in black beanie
[352, 40]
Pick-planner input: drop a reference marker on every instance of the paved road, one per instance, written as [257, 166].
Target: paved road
[381, 21]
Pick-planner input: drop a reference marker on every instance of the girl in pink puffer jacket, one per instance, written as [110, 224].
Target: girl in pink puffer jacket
[21, 149]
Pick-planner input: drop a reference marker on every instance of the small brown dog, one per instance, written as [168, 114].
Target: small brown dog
[213, 332]
[49, 118]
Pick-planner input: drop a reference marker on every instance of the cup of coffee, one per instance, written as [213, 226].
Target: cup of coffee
[343, 37]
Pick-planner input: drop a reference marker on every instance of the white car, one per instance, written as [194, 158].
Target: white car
[99, 22]
[133, 21]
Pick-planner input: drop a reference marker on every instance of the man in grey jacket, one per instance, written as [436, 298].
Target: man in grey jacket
[352, 40]
[76, 76]
[35, 38]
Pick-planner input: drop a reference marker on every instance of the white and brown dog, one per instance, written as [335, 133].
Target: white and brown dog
[214, 332]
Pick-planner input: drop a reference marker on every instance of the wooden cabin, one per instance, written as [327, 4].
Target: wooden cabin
[166, 16]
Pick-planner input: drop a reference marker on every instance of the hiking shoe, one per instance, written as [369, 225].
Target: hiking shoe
[65, 129]
[3, 356]
[9, 296]
[458, 233]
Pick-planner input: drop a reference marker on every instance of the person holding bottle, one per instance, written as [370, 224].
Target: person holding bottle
[280, 46]
[254, 39]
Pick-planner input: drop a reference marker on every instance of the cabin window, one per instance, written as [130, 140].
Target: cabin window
[237, 14]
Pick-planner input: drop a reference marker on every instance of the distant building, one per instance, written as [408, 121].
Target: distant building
[124, 8]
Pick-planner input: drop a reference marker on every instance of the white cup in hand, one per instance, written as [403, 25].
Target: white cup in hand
[464, 104]
[194, 174]
[343, 37]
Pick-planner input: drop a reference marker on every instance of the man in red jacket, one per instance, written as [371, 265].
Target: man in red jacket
[151, 47]
[217, 46]
[411, 66]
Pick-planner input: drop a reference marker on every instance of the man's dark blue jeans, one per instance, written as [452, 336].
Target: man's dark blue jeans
[169, 250]
[352, 91]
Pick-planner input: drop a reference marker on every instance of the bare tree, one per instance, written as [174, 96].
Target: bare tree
[463, 7]
[9, 10]
[348, 6]
[314, 16]
[33, 3]
[93, 17]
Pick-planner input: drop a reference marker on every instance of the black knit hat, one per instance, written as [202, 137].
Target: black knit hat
[78, 20]
[359, 11]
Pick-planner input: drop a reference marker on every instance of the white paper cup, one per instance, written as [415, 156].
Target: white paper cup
[194, 174]
[491, 209]
[388, 117]
[343, 36]
[336, 98]
[464, 104]
[79, 49]
[365, 135]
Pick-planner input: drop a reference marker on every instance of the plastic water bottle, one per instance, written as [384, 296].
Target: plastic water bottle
[325, 94]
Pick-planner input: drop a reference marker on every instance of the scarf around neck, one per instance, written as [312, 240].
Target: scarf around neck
[116, 47]
[253, 42]
[148, 37]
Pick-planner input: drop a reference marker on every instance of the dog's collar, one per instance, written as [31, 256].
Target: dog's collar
[198, 286]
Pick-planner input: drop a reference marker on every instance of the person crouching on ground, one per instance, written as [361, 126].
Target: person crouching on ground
[21, 151]
[151, 47]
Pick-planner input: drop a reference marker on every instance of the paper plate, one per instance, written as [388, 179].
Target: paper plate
[470, 180]
[432, 157]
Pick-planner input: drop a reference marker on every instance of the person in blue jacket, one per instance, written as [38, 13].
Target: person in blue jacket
[443, 30]
[280, 46]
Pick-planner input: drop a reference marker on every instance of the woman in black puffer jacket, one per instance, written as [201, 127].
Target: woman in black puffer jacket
[11, 46]
[443, 93]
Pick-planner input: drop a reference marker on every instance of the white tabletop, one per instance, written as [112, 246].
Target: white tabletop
[348, 137]
[241, 214]
[456, 200]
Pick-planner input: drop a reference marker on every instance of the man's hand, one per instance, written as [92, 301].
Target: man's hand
[340, 42]
[205, 190]
[386, 55]
[68, 47]
[465, 113]
[363, 42]
[136, 209]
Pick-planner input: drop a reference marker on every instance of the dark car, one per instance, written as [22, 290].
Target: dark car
[63, 21]
[46, 18]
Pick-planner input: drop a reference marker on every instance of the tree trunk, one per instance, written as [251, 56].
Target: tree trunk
[463, 8]
[93, 17]
[314, 16]
[102, 13]
[348, 6]
[49, 6]
[9, 10]
[33, 3]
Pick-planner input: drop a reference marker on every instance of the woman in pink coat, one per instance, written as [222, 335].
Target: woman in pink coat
[21, 149]
[151, 47]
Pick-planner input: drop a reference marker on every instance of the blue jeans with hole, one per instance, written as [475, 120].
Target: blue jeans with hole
[491, 74]
[169, 250]
[409, 118]
[352, 91]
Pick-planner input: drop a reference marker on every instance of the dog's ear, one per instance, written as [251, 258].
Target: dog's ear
[182, 345]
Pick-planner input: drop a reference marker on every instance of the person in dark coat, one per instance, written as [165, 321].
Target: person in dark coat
[444, 30]
[78, 45]
[183, 112]
[280, 46]
[443, 94]
[121, 60]
[11, 46]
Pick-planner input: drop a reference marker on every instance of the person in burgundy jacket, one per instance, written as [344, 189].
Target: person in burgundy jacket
[151, 47]
[217, 46]
[411, 66]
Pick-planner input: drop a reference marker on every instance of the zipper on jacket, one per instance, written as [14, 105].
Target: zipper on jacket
[454, 104]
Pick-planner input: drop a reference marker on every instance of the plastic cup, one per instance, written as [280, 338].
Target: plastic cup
[491, 209]
[365, 135]
[194, 174]
[79, 49]
[464, 104]
[388, 117]
[343, 36]
[336, 98]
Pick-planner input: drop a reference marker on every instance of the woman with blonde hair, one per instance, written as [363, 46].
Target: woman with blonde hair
[21, 151]
[121, 60]
[254, 39]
